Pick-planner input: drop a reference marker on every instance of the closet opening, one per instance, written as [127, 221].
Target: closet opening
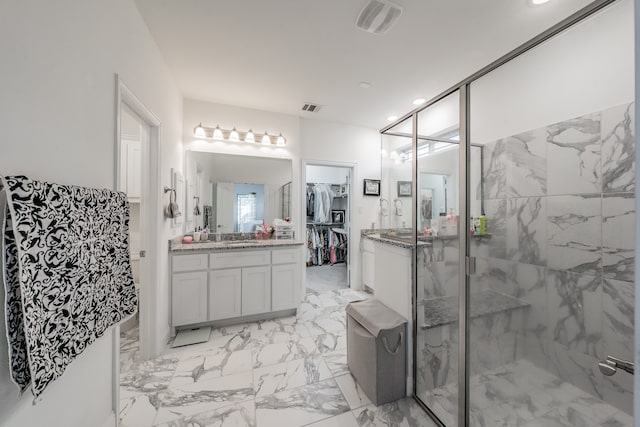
[328, 214]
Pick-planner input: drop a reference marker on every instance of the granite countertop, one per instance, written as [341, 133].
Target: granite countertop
[176, 245]
[444, 310]
[378, 236]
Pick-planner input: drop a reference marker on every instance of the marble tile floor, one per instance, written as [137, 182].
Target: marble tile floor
[285, 372]
[323, 278]
[520, 394]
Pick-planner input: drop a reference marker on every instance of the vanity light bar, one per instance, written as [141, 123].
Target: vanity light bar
[234, 135]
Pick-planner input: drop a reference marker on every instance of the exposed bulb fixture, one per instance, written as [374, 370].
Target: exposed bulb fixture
[392, 118]
[250, 137]
[266, 139]
[233, 136]
[217, 133]
[537, 2]
[419, 101]
[199, 131]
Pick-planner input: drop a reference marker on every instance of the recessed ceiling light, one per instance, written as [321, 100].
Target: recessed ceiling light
[537, 2]
[419, 101]
[364, 85]
[392, 118]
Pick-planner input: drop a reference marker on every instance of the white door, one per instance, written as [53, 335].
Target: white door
[189, 298]
[225, 296]
[285, 283]
[224, 207]
[256, 290]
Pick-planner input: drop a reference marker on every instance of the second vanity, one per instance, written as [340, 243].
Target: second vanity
[228, 282]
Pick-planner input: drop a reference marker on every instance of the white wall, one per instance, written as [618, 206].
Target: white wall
[522, 95]
[57, 115]
[336, 142]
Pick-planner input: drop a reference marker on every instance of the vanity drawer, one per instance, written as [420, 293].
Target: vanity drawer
[239, 259]
[285, 256]
[189, 262]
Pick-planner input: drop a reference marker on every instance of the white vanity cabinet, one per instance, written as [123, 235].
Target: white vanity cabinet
[368, 264]
[256, 290]
[234, 284]
[225, 293]
[189, 297]
[285, 279]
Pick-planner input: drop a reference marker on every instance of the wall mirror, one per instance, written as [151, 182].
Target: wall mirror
[234, 193]
[438, 171]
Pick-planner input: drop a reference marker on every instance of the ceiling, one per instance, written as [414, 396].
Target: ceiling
[276, 55]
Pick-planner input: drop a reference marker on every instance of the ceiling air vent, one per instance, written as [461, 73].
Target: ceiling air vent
[378, 16]
[311, 108]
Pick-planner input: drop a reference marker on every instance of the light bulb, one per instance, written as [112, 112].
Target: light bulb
[281, 142]
[217, 133]
[199, 131]
[266, 140]
[392, 118]
[419, 101]
[250, 137]
[233, 136]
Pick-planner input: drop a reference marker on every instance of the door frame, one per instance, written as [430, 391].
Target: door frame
[150, 228]
[353, 173]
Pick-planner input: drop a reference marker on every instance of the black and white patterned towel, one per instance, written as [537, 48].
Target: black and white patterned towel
[67, 274]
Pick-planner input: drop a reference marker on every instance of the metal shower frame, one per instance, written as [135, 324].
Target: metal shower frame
[465, 260]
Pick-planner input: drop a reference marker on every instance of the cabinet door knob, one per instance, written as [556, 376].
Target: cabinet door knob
[143, 254]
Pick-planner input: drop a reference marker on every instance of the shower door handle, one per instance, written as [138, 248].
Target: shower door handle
[612, 364]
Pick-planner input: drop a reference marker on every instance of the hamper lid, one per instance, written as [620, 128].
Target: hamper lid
[374, 316]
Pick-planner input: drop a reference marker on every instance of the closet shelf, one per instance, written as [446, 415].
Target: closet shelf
[326, 224]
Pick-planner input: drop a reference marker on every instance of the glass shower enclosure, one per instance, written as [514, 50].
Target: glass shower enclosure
[523, 218]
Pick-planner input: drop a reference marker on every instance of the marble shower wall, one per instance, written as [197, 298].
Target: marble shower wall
[560, 207]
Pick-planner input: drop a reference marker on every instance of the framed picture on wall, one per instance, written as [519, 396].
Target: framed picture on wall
[337, 216]
[404, 188]
[371, 187]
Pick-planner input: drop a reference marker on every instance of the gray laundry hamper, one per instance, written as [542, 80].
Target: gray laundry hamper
[376, 350]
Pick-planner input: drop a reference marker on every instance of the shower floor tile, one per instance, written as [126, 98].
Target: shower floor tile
[521, 394]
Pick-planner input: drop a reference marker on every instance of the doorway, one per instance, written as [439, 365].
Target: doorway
[328, 212]
[137, 172]
[134, 132]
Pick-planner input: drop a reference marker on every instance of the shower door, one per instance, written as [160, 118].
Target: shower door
[437, 258]
[553, 289]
